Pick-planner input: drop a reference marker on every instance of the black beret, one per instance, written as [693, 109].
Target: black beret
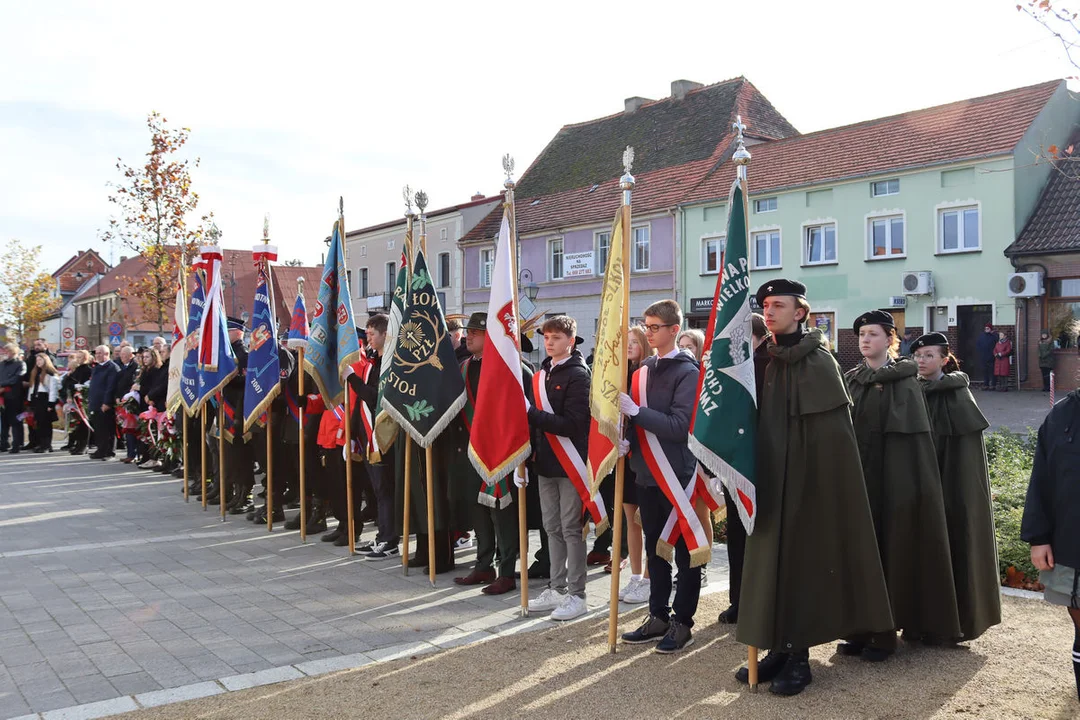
[235, 323]
[934, 338]
[780, 286]
[477, 321]
[874, 317]
[526, 344]
[361, 334]
[578, 341]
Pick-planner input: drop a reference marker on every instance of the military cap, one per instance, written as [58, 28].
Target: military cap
[780, 286]
[235, 323]
[934, 338]
[477, 321]
[873, 317]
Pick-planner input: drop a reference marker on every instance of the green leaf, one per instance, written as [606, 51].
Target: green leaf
[420, 279]
[419, 409]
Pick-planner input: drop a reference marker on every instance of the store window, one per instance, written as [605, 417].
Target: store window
[1063, 311]
[826, 323]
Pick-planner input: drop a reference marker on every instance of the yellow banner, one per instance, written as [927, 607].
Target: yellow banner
[609, 358]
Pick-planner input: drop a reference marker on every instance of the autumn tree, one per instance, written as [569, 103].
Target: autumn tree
[154, 203]
[1060, 20]
[26, 292]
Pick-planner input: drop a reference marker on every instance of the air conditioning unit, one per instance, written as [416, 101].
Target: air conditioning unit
[1026, 284]
[918, 282]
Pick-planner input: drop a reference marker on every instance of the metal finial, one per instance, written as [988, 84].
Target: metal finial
[741, 156]
[300, 285]
[341, 206]
[214, 234]
[421, 200]
[406, 195]
[508, 168]
[266, 228]
[626, 182]
[628, 159]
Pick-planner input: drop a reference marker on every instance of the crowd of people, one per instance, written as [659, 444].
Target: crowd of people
[875, 511]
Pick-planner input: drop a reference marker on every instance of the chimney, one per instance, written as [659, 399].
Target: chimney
[679, 88]
[633, 103]
[123, 258]
[478, 196]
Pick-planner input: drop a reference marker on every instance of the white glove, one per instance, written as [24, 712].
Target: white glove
[627, 406]
[346, 373]
[624, 447]
[528, 405]
[521, 480]
[717, 487]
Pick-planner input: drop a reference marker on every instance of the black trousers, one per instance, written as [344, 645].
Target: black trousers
[655, 508]
[104, 431]
[1046, 378]
[239, 466]
[79, 435]
[736, 547]
[381, 476]
[43, 420]
[988, 373]
[12, 409]
[496, 530]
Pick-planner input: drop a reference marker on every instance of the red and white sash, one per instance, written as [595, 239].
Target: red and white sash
[365, 416]
[570, 459]
[699, 488]
[683, 521]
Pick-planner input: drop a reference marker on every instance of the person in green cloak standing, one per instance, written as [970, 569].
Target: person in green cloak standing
[812, 573]
[902, 483]
[957, 426]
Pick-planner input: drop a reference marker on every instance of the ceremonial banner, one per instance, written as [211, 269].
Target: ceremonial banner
[423, 390]
[176, 353]
[723, 426]
[499, 438]
[609, 367]
[217, 364]
[385, 427]
[189, 374]
[332, 345]
[298, 325]
[263, 378]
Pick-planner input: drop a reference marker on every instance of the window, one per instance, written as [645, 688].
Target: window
[348, 279]
[819, 244]
[765, 205]
[391, 276]
[363, 283]
[389, 244]
[884, 187]
[641, 248]
[766, 250]
[487, 263]
[1063, 311]
[442, 234]
[555, 259]
[603, 248]
[958, 230]
[444, 270]
[363, 251]
[712, 255]
[885, 237]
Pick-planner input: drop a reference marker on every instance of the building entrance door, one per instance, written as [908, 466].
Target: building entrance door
[970, 321]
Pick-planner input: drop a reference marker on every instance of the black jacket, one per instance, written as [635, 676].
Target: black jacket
[78, 376]
[1052, 510]
[126, 378]
[672, 391]
[12, 373]
[567, 389]
[154, 385]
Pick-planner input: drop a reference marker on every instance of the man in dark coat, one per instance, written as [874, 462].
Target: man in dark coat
[812, 571]
[101, 401]
[12, 372]
[984, 348]
[239, 460]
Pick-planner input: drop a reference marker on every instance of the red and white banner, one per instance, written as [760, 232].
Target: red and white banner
[179, 347]
[499, 438]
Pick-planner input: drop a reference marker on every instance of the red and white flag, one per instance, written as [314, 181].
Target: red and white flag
[499, 438]
[179, 347]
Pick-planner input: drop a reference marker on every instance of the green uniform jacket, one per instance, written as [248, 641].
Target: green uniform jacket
[812, 573]
[958, 425]
[899, 466]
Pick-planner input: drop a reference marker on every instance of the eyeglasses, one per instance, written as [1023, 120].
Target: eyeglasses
[654, 328]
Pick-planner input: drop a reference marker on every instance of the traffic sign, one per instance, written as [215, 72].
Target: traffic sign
[115, 341]
[69, 345]
[116, 329]
[80, 343]
[68, 333]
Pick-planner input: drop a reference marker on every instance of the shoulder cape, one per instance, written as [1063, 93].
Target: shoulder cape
[952, 407]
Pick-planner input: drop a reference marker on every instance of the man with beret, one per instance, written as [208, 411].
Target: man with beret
[812, 573]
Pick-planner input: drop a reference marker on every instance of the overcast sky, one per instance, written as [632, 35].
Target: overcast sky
[293, 104]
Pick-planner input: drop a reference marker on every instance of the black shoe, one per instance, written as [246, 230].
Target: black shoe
[333, 534]
[415, 562]
[729, 616]
[850, 649]
[178, 472]
[536, 572]
[316, 526]
[343, 540]
[650, 630]
[795, 676]
[677, 638]
[293, 523]
[875, 654]
[15, 451]
[65, 446]
[768, 667]
[39, 451]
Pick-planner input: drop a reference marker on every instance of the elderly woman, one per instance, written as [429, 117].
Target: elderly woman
[12, 370]
[1002, 362]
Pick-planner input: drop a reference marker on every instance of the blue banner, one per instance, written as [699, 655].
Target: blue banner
[332, 344]
[263, 366]
[189, 378]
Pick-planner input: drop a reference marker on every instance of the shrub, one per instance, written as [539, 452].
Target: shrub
[1010, 457]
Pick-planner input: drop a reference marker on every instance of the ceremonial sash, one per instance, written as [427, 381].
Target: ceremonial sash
[685, 522]
[570, 459]
[699, 488]
[365, 417]
[496, 494]
[81, 412]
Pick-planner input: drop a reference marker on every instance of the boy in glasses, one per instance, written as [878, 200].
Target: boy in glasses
[658, 410]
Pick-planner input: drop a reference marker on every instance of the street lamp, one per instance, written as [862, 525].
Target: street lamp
[525, 282]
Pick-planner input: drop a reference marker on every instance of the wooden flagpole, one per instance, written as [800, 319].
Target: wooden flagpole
[348, 412]
[429, 465]
[302, 405]
[627, 185]
[202, 439]
[269, 472]
[406, 503]
[221, 452]
[187, 492]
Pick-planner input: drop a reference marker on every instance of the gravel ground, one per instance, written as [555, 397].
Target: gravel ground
[1019, 669]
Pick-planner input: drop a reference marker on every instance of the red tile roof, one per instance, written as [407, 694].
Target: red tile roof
[1053, 226]
[966, 130]
[66, 274]
[284, 278]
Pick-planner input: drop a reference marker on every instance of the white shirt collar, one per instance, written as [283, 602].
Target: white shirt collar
[673, 353]
[560, 362]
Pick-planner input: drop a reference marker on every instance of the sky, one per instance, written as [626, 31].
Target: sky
[292, 105]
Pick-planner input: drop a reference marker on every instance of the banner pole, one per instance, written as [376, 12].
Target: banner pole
[187, 492]
[221, 453]
[348, 473]
[406, 503]
[269, 472]
[428, 457]
[202, 439]
[303, 483]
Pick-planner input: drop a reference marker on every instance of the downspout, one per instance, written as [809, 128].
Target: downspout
[676, 260]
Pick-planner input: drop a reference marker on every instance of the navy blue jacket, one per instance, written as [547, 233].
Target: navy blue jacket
[1052, 510]
[103, 385]
[984, 346]
[671, 391]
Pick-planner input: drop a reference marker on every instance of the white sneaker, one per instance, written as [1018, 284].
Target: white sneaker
[571, 607]
[628, 587]
[639, 594]
[462, 543]
[150, 465]
[545, 602]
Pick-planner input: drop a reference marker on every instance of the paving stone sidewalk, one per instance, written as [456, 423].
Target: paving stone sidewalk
[112, 586]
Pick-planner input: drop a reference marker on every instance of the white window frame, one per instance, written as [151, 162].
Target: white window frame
[885, 215]
[487, 266]
[939, 225]
[777, 262]
[875, 183]
[705, 240]
[601, 263]
[804, 244]
[634, 267]
[449, 270]
[758, 201]
[551, 244]
[363, 284]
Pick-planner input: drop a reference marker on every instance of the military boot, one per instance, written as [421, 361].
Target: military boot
[795, 676]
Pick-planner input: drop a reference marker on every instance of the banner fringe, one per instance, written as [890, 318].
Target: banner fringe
[425, 441]
[733, 480]
[492, 476]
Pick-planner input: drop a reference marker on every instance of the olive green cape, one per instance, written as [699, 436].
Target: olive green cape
[958, 425]
[812, 572]
[902, 483]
